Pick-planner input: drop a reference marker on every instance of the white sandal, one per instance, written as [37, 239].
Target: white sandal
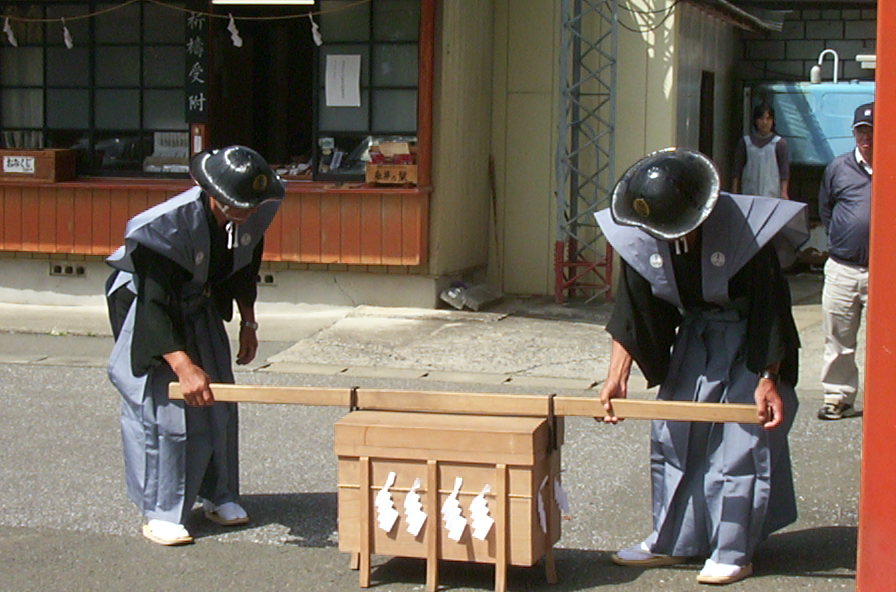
[723, 573]
[166, 533]
[227, 514]
[640, 556]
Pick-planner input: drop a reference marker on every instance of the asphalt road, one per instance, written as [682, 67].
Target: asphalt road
[65, 522]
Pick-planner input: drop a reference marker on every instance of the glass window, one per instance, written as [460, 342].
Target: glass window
[121, 82]
[163, 109]
[121, 25]
[22, 66]
[115, 109]
[67, 109]
[395, 65]
[389, 30]
[394, 111]
[68, 67]
[163, 66]
[22, 107]
[118, 66]
[396, 20]
[340, 20]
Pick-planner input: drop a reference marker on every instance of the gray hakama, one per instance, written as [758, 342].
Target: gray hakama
[718, 489]
[174, 452]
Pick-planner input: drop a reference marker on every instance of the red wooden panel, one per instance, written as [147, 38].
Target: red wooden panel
[12, 218]
[82, 220]
[46, 228]
[412, 229]
[310, 234]
[330, 228]
[392, 234]
[103, 236]
[290, 228]
[138, 201]
[350, 228]
[65, 222]
[157, 196]
[119, 215]
[371, 229]
[273, 238]
[30, 218]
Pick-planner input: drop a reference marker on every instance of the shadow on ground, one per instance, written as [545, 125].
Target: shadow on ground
[310, 517]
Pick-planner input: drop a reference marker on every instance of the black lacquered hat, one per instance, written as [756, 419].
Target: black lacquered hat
[236, 176]
[667, 193]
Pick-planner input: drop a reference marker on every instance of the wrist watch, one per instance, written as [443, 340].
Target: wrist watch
[773, 376]
[249, 324]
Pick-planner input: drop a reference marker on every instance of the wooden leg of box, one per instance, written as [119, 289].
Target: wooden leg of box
[354, 561]
[432, 525]
[364, 501]
[502, 513]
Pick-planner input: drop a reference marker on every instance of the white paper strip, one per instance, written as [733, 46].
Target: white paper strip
[66, 36]
[315, 32]
[234, 33]
[10, 36]
[451, 513]
[481, 522]
[386, 514]
[413, 509]
[560, 497]
[542, 517]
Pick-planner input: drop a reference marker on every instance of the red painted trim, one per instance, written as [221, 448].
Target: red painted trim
[877, 501]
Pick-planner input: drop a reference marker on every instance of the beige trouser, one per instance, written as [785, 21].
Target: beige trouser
[843, 299]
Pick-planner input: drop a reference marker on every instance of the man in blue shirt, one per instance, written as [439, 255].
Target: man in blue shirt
[844, 204]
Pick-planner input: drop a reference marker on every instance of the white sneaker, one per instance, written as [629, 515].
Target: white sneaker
[723, 573]
[640, 556]
[227, 514]
[167, 533]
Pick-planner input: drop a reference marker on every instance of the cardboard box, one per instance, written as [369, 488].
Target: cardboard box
[40, 166]
[391, 174]
[437, 448]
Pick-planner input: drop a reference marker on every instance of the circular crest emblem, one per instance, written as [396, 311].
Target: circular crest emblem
[642, 208]
[245, 239]
[656, 261]
[199, 257]
[259, 183]
[717, 259]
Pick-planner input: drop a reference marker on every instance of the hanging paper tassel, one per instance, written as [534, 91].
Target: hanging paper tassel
[66, 36]
[315, 32]
[9, 34]
[234, 33]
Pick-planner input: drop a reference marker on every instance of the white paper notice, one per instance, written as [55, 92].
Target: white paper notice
[386, 514]
[413, 509]
[451, 513]
[343, 81]
[481, 522]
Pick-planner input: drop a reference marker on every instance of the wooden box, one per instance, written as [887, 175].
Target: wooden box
[391, 174]
[43, 166]
[514, 456]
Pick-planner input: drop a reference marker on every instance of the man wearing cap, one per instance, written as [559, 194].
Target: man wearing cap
[183, 264]
[844, 204]
[703, 309]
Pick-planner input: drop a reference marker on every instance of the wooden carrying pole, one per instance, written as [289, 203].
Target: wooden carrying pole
[478, 403]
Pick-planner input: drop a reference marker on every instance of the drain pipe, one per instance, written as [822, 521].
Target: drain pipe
[815, 72]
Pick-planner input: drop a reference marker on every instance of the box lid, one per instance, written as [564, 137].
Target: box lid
[442, 436]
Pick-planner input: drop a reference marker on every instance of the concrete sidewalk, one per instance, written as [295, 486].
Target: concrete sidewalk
[525, 342]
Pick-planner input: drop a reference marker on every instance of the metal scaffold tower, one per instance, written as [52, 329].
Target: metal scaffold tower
[586, 147]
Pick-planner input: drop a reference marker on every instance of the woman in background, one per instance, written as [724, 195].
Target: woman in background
[761, 161]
